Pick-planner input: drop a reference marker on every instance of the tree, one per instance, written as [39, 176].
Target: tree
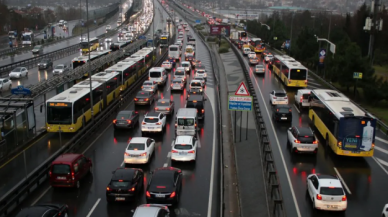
[306, 47]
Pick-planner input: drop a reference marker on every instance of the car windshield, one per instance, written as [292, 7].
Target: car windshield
[179, 72]
[142, 94]
[151, 120]
[162, 179]
[123, 116]
[155, 74]
[306, 96]
[136, 146]
[37, 47]
[283, 110]
[59, 67]
[17, 69]
[183, 147]
[281, 94]
[331, 191]
[148, 83]
[185, 64]
[199, 78]
[186, 121]
[174, 48]
[162, 103]
[260, 67]
[61, 169]
[177, 82]
[119, 184]
[166, 63]
[196, 84]
[194, 104]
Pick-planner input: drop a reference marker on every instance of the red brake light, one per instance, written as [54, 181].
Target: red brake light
[296, 141]
[191, 152]
[144, 123]
[148, 194]
[344, 198]
[107, 188]
[143, 154]
[174, 151]
[156, 108]
[146, 99]
[159, 123]
[136, 99]
[319, 197]
[132, 189]
[315, 142]
[275, 97]
[203, 110]
[171, 85]
[160, 186]
[126, 154]
[128, 121]
[114, 121]
[168, 109]
[172, 194]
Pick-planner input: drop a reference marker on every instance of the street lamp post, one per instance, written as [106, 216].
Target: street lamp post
[332, 49]
[89, 72]
[268, 27]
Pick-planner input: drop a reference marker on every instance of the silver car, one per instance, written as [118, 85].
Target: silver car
[177, 84]
[151, 210]
[165, 106]
[60, 68]
[150, 86]
[18, 72]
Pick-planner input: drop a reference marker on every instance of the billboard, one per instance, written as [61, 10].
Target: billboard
[220, 30]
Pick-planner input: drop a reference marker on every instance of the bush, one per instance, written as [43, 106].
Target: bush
[204, 33]
[212, 39]
[223, 50]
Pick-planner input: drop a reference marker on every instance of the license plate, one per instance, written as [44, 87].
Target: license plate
[61, 178]
[151, 128]
[159, 195]
[120, 198]
[306, 147]
[182, 153]
[346, 152]
[284, 118]
[135, 155]
[332, 206]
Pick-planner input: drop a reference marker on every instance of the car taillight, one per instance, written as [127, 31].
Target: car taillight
[72, 176]
[315, 142]
[305, 81]
[176, 124]
[172, 194]
[142, 87]
[171, 85]
[174, 151]
[126, 154]
[203, 110]
[156, 109]
[301, 99]
[192, 152]
[148, 194]
[143, 154]
[132, 189]
[344, 198]
[136, 99]
[159, 123]
[285, 97]
[296, 141]
[319, 197]
[107, 188]
[146, 99]
[129, 121]
[168, 109]
[181, 85]
[144, 123]
[114, 121]
[50, 173]
[275, 97]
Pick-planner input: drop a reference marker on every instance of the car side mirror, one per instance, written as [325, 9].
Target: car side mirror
[41, 108]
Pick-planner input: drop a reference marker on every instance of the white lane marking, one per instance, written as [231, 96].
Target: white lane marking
[165, 165]
[40, 196]
[280, 151]
[381, 140]
[94, 207]
[122, 164]
[378, 162]
[169, 154]
[385, 163]
[297, 108]
[342, 180]
[381, 149]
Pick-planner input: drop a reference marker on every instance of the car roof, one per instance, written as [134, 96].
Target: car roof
[329, 181]
[303, 91]
[180, 68]
[305, 131]
[33, 211]
[199, 78]
[164, 100]
[138, 140]
[146, 211]
[152, 114]
[125, 112]
[177, 79]
[183, 139]
[195, 97]
[66, 158]
[123, 174]
[282, 106]
[280, 91]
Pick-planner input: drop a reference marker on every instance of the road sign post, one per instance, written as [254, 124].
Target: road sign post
[240, 101]
[357, 76]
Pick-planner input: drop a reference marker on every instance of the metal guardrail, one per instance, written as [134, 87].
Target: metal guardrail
[19, 193]
[273, 186]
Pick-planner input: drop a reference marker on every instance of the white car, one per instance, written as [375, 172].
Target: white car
[260, 69]
[326, 192]
[179, 42]
[196, 85]
[385, 211]
[278, 97]
[302, 98]
[302, 139]
[201, 79]
[139, 150]
[184, 148]
[186, 65]
[201, 73]
[18, 72]
[153, 122]
[5, 84]
[108, 40]
[150, 86]
[60, 68]
[167, 65]
[252, 55]
[268, 58]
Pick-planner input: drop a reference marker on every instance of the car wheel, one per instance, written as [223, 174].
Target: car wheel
[78, 184]
[288, 142]
[27, 74]
[314, 204]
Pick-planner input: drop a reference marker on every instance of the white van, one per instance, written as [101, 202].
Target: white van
[246, 50]
[174, 52]
[158, 74]
[186, 122]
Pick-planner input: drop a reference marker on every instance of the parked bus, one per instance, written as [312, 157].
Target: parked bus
[290, 71]
[347, 129]
[93, 45]
[257, 45]
[70, 110]
[27, 38]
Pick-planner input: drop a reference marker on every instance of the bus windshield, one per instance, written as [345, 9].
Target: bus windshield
[26, 37]
[59, 114]
[189, 50]
[84, 44]
[356, 133]
[298, 74]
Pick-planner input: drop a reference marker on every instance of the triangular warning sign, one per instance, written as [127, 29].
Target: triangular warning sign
[242, 90]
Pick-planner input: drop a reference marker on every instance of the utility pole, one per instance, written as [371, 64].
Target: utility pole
[373, 25]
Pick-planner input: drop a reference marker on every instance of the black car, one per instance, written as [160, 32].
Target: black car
[192, 92]
[44, 210]
[172, 60]
[45, 64]
[197, 102]
[190, 57]
[125, 185]
[282, 113]
[144, 98]
[126, 119]
[164, 186]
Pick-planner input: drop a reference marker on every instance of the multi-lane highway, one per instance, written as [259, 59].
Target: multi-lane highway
[106, 150]
[38, 151]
